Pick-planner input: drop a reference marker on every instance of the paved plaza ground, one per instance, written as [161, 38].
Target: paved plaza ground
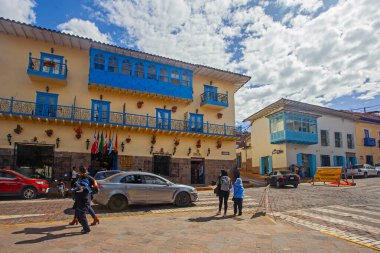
[307, 219]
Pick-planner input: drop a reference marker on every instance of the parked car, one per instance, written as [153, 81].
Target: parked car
[377, 168]
[100, 175]
[130, 188]
[14, 183]
[283, 177]
[363, 170]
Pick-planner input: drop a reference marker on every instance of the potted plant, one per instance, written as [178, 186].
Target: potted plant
[176, 142]
[218, 144]
[153, 140]
[35, 139]
[18, 129]
[198, 144]
[174, 109]
[49, 64]
[128, 140]
[78, 132]
[219, 115]
[140, 104]
[49, 132]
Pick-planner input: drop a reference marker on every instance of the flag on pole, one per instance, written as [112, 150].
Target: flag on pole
[110, 143]
[116, 144]
[94, 146]
[101, 144]
[97, 143]
[105, 145]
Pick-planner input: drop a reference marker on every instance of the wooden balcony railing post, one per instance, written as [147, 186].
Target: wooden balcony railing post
[11, 105]
[147, 120]
[225, 129]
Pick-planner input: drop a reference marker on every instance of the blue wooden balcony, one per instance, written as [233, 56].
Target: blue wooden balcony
[369, 142]
[214, 100]
[48, 69]
[77, 114]
[131, 75]
[294, 137]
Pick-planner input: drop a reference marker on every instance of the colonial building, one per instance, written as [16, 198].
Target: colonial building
[368, 138]
[60, 93]
[289, 132]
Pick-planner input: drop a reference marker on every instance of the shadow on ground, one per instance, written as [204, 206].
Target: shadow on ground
[47, 232]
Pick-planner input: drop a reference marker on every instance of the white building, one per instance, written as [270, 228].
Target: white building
[289, 132]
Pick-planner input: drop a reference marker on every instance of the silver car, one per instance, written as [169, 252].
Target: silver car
[136, 187]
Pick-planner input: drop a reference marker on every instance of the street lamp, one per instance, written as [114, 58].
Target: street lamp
[57, 142]
[122, 147]
[208, 151]
[189, 152]
[87, 144]
[9, 138]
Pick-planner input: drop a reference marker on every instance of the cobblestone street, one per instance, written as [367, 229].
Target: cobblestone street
[350, 213]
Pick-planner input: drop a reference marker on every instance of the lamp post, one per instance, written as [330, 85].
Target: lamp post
[122, 147]
[189, 152]
[9, 138]
[87, 144]
[208, 151]
[57, 142]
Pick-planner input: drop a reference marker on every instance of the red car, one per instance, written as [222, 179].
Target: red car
[13, 183]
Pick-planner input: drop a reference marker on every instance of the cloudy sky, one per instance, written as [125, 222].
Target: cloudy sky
[323, 52]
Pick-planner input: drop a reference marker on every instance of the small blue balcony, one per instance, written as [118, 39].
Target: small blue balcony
[214, 100]
[369, 142]
[48, 68]
[294, 137]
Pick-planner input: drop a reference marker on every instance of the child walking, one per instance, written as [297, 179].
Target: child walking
[238, 196]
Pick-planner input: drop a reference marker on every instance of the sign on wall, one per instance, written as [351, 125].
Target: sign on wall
[328, 174]
[225, 153]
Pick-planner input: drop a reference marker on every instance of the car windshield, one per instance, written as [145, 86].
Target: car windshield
[286, 172]
[359, 166]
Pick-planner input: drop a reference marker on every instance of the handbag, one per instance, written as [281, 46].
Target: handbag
[217, 190]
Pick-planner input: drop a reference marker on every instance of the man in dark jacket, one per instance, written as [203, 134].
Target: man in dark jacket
[82, 203]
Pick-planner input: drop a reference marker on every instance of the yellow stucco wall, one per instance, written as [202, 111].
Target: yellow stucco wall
[16, 82]
[363, 151]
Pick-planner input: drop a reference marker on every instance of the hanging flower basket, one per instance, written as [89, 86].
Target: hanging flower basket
[153, 140]
[198, 144]
[78, 132]
[176, 142]
[49, 64]
[219, 144]
[18, 129]
[140, 104]
[128, 140]
[174, 108]
[219, 115]
[49, 132]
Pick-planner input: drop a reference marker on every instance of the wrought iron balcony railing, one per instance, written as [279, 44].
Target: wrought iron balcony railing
[213, 98]
[61, 112]
[47, 68]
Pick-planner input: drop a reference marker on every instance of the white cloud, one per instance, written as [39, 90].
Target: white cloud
[19, 10]
[315, 59]
[84, 28]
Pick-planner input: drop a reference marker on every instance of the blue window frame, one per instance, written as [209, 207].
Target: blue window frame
[51, 63]
[366, 133]
[99, 61]
[100, 111]
[163, 118]
[196, 123]
[211, 93]
[46, 104]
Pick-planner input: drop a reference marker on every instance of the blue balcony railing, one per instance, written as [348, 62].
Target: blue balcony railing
[73, 113]
[213, 98]
[369, 142]
[294, 137]
[47, 68]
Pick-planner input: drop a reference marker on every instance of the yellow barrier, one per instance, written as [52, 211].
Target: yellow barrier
[328, 174]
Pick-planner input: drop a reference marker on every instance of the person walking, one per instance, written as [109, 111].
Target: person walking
[74, 175]
[82, 203]
[238, 196]
[94, 189]
[224, 184]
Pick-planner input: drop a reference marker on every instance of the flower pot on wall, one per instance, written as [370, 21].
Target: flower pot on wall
[78, 132]
[199, 144]
[174, 109]
[18, 129]
[219, 115]
[153, 139]
[128, 140]
[49, 132]
[140, 104]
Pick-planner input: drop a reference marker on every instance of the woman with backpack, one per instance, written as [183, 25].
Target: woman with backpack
[223, 185]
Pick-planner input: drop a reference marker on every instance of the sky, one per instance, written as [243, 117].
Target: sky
[324, 52]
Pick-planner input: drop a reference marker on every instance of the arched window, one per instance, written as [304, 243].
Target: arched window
[99, 61]
[152, 72]
[174, 78]
[126, 67]
[112, 64]
[163, 75]
[139, 69]
[186, 78]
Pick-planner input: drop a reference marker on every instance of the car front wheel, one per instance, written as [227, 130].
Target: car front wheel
[182, 199]
[29, 193]
[378, 174]
[295, 185]
[118, 203]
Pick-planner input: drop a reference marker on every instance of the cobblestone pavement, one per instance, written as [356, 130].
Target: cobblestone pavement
[184, 232]
[351, 213]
